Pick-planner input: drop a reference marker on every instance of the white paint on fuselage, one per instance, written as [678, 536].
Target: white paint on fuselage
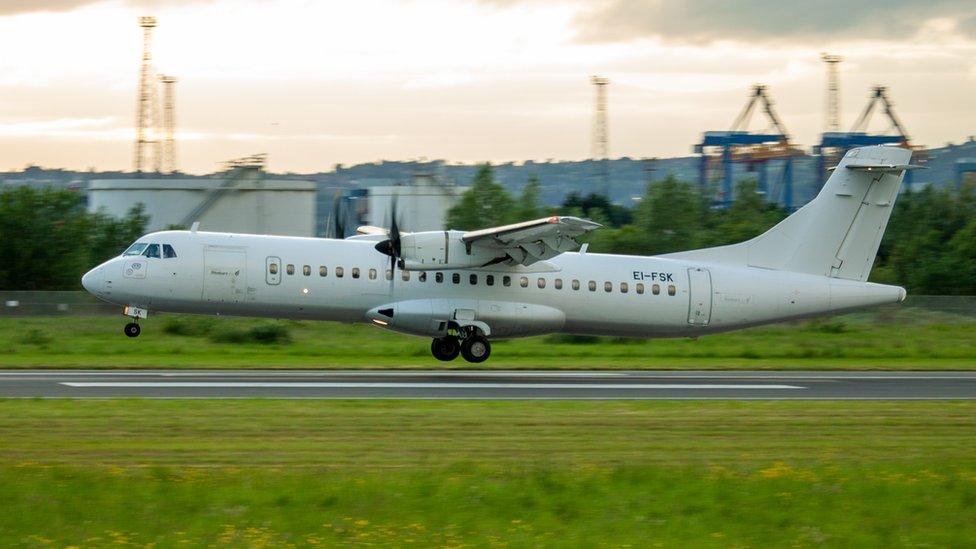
[740, 296]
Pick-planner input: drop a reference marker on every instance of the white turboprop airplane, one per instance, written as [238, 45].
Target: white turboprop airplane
[460, 288]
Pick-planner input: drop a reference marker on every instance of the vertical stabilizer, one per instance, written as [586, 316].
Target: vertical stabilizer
[838, 233]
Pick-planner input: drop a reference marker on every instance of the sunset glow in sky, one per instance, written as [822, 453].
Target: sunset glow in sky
[315, 83]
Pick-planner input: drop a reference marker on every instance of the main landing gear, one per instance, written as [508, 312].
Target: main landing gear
[474, 348]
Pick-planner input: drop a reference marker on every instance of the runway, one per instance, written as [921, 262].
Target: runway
[487, 385]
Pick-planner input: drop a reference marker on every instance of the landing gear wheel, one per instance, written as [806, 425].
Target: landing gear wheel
[132, 329]
[445, 348]
[475, 349]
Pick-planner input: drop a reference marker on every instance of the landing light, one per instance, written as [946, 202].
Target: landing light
[379, 322]
[305, 290]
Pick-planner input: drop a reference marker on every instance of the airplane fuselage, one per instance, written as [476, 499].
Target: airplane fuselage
[580, 293]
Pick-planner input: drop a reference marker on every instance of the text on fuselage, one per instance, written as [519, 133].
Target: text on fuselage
[656, 277]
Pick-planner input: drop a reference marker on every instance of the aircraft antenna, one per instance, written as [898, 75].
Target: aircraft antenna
[147, 146]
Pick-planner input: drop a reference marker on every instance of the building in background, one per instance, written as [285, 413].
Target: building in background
[249, 205]
[422, 204]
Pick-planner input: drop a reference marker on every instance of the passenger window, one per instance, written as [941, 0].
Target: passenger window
[307, 270]
[372, 274]
[541, 283]
[438, 277]
[339, 271]
[524, 282]
[423, 276]
[355, 272]
[592, 285]
[607, 286]
[405, 276]
[273, 268]
[389, 274]
[152, 251]
[490, 280]
[575, 284]
[323, 270]
[168, 251]
[473, 279]
[456, 278]
[656, 289]
[623, 287]
[639, 287]
[558, 283]
[672, 290]
[290, 269]
[506, 280]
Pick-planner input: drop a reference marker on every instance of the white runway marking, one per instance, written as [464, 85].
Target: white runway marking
[409, 385]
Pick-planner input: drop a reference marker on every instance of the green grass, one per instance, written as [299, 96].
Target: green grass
[266, 473]
[905, 339]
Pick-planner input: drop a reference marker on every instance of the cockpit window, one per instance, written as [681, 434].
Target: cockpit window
[168, 251]
[152, 250]
[135, 249]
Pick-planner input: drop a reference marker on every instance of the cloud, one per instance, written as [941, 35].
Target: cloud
[14, 7]
[704, 21]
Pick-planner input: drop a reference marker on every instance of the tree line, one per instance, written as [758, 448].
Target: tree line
[48, 240]
[929, 246]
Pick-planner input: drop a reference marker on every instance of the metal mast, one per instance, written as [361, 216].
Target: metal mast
[146, 104]
[600, 134]
[832, 121]
[169, 124]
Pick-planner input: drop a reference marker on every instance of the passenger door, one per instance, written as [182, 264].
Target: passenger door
[225, 275]
[699, 297]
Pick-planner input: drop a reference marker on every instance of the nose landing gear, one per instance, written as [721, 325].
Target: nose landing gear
[132, 329]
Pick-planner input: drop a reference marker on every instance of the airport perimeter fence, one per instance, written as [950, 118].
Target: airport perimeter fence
[921, 308]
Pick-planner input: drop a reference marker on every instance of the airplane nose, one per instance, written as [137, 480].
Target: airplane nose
[93, 280]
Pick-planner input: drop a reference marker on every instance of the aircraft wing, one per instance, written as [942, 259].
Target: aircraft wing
[530, 241]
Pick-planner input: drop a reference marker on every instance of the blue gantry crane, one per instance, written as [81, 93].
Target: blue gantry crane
[720, 150]
[833, 145]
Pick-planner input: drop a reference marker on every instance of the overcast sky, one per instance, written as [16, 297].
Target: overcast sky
[315, 83]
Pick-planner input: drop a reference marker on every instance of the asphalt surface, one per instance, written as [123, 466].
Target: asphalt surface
[525, 384]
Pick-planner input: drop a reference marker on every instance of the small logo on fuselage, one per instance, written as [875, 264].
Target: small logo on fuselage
[656, 277]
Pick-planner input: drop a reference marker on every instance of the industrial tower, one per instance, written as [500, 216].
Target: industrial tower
[169, 124]
[147, 145]
[600, 135]
[832, 120]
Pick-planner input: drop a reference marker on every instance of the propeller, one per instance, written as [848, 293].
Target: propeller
[336, 227]
[392, 246]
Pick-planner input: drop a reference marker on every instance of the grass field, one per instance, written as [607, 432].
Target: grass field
[266, 473]
[906, 339]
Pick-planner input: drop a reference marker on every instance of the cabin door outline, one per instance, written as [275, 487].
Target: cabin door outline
[224, 275]
[699, 297]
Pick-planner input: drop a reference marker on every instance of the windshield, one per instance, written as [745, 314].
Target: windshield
[135, 249]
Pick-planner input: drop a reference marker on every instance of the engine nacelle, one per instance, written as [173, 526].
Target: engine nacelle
[442, 250]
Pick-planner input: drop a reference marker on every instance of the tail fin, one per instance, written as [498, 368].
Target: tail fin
[838, 233]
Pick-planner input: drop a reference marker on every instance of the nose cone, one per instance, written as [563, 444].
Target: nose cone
[94, 280]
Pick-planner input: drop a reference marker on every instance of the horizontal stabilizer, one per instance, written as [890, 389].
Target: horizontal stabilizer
[882, 168]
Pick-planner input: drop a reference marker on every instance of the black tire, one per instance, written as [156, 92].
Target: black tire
[132, 329]
[445, 348]
[476, 349]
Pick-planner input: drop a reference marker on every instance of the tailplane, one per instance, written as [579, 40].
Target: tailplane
[838, 233]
